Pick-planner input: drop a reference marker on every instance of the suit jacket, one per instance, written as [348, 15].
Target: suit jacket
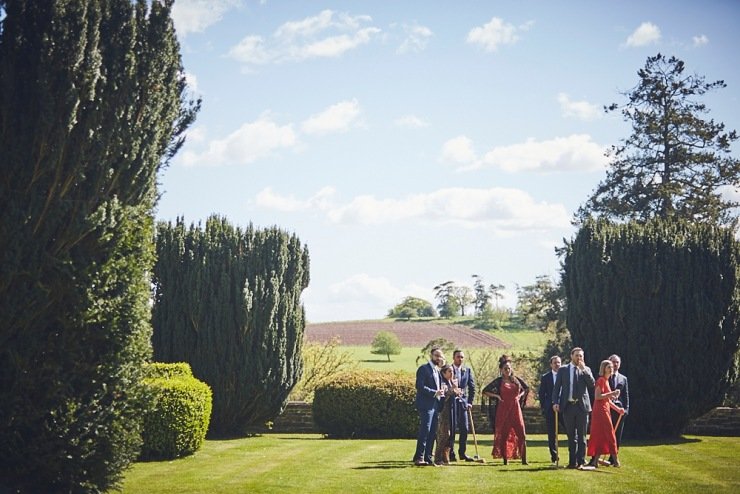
[562, 387]
[624, 394]
[426, 387]
[467, 384]
[545, 392]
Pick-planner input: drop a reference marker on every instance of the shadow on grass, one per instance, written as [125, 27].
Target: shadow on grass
[377, 361]
[667, 441]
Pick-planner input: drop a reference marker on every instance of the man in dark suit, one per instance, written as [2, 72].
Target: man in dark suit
[428, 392]
[547, 383]
[570, 398]
[619, 381]
[466, 383]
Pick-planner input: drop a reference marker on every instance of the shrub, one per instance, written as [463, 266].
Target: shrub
[665, 297]
[367, 404]
[321, 363]
[177, 414]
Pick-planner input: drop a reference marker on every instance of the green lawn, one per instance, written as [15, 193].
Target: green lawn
[308, 463]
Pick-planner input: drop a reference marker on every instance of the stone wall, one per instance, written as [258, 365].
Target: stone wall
[298, 417]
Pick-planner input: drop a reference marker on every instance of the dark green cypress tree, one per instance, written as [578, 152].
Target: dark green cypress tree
[665, 296]
[91, 107]
[227, 301]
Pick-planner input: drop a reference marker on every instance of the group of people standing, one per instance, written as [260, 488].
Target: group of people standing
[444, 398]
[565, 398]
[445, 393]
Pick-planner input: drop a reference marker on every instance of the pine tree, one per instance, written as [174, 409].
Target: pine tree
[675, 164]
[91, 107]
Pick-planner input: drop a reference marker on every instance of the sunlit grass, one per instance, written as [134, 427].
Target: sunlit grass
[309, 463]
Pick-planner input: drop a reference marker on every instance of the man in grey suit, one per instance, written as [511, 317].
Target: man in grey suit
[570, 398]
[619, 381]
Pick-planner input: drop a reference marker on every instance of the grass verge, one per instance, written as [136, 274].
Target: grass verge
[307, 463]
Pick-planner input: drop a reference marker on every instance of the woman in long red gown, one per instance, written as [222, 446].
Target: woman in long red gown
[602, 440]
[508, 394]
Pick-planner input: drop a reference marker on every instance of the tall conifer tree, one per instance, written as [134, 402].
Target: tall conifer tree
[227, 301]
[92, 106]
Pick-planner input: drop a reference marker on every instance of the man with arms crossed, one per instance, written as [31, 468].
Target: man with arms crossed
[570, 398]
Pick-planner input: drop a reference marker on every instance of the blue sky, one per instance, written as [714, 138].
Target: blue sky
[411, 143]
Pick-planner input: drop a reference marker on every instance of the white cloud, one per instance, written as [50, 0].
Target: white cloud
[490, 36]
[582, 110]
[573, 153]
[194, 16]
[700, 40]
[417, 39]
[359, 296]
[362, 286]
[503, 211]
[252, 141]
[644, 35]
[328, 34]
[321, 201]
[410, 122]
[459, 151]
[337, 118]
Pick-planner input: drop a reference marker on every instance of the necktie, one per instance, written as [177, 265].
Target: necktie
[436, 377]
[572, 382]
[613, 382]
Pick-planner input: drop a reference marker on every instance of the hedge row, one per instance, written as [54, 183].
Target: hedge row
[177, 414]
[367, 404]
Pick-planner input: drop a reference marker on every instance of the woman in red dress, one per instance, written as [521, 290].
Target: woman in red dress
[507, 395]
[602, 440]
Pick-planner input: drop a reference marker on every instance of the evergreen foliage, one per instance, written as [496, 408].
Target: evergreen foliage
[177, 412]
[227, 301]
[92, 106]
[665, 297]
[367, 404]
[675, 163]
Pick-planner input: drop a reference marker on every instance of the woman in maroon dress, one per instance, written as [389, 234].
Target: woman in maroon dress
[507, 395]
[602, 440]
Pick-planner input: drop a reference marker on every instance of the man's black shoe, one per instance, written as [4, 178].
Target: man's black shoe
[466, 457]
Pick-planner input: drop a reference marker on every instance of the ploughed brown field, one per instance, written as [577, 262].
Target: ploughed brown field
[411, 333]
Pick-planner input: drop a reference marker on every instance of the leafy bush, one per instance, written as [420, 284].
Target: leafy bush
[177, 414]
[321, 363]
[367, 404]
[386, 343]
[412, 307]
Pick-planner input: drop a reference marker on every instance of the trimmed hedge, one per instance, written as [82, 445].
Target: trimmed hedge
[367, 404]
[177, 414]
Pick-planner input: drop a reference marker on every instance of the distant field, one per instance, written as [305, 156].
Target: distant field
[356, 337]
[413, 334]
